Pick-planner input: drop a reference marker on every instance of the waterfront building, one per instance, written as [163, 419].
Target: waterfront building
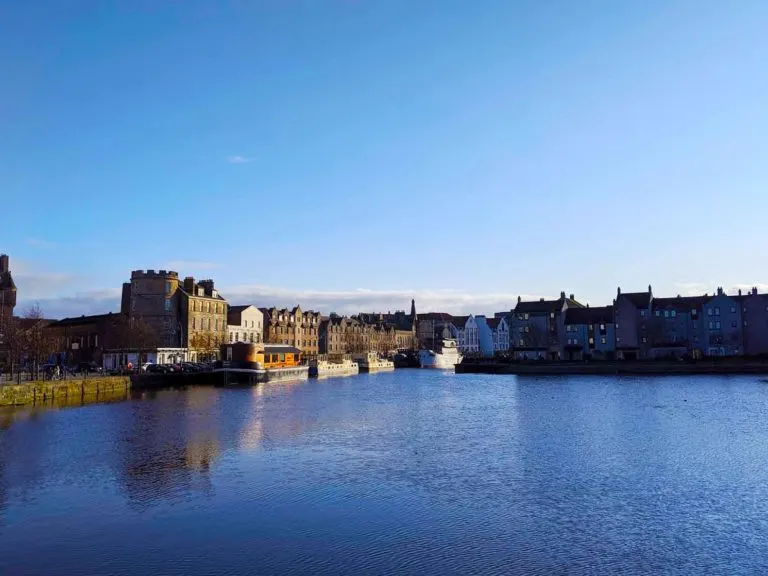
[7, 289]
[632, 311]
[342, 335]
[754, 309]
[399, 324]
[154, 297]
[590, 333]
[186, 314]
[467, 337]
[245, 324]
[332, 338]
[537, 328]
[7, 304]
[676, 328]
[493, 335]
[293, 327]
[430, 327]
[85, 339]
[723, 318]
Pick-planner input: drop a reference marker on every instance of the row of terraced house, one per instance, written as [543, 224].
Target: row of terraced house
[638, 325]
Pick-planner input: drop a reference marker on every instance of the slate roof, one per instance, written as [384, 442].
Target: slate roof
[239, 308]
[598, 315]
[545, 306]
[280, 349]
[460, 321]
[493, 323]
[638, 299]
[436, 316]
[681, 301]
[80, 320]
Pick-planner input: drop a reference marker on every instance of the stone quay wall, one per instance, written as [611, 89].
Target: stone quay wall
[37, 392]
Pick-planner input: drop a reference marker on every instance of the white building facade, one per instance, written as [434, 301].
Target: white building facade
[245, 324]
[468, 340]
[493, 335]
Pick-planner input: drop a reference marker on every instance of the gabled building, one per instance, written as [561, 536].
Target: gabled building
[590, 333]
[537, 328]
[293, 327]
[468, 340]
[754, 310]
[676, 328]
[430, 329]
[722, 314]
[403, 326]
[632, 311]
[245, 324]
[493, 335]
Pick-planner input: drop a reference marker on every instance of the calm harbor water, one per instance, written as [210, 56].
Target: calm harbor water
[411, 472]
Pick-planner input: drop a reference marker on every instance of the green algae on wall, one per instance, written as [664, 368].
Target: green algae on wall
[48, 391]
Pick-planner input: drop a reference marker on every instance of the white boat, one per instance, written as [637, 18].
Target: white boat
[322, 368]
[444, 359]
[371, 362]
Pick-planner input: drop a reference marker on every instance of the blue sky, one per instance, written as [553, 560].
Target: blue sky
[352, 153]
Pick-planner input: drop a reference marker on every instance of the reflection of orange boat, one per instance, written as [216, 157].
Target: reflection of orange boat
[251, 362]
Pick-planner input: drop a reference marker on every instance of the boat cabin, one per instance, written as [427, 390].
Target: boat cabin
[255, 356]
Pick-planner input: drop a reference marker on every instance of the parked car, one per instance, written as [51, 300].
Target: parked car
[89, 367]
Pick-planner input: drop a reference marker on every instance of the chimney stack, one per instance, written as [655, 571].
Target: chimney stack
[618, 291]
[562, 295]
[189, 285]
[571, 297]
[4, 264]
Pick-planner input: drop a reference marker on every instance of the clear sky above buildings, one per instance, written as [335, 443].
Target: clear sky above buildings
[349, 154]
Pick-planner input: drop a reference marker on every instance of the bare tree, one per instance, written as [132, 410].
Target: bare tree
[140, 336]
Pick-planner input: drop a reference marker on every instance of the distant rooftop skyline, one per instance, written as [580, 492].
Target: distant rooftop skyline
[350, 156]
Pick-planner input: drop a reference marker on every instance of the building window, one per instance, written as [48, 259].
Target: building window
[673, 313]
[733, 323]
[551, 314]
[602, 326]
[709, 311]
[717, 311]
[694, 325]
[710, 325]
[526, 314]
[591, 340]
[644, 340]
[666, 313]
[618, 339]
[745, 323]
[694, 312]
[717, 325]
[642, 313]
[658, 312]
[167, 287]
[194, 323]
[695, 338]
[167, 304]
[521, 343]
[733, 309]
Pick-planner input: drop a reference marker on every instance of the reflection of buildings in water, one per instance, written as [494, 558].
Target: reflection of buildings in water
[202, 411]
[252, 434]
[167, 443]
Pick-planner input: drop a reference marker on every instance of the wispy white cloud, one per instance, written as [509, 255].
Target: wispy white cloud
[700, 288]
[366, 300]
[239, 159]
[40, 243]
[81, 303]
